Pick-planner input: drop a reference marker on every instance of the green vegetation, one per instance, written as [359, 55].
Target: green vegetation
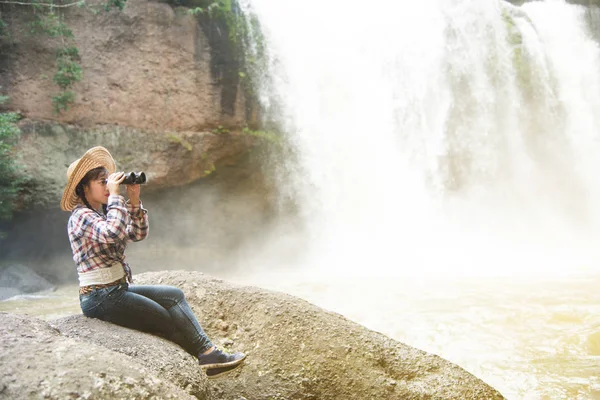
[210, 170]
[48, 19]
[515, 40]
[68, 70]
[10, 181]
[269, 136]
[244, 52]
[514, 37]
[173, 138]
[219, 130]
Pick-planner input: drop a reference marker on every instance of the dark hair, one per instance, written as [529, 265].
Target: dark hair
[91, 175]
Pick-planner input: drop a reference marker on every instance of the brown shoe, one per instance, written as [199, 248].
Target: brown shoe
[218, 372]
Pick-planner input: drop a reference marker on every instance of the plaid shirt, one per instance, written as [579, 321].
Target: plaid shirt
[100, 241]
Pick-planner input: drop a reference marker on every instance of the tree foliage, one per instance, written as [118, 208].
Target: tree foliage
[10, 179]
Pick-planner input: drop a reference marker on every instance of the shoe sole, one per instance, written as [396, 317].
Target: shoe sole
[221, 374]
[223, 365]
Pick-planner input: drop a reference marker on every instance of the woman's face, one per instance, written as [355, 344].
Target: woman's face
[96, 191]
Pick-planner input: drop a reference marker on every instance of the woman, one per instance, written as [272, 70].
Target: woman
[100, 226]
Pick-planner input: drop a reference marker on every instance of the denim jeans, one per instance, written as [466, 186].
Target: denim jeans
[155, 309]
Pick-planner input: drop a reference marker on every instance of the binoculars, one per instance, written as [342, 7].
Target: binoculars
[134, 178]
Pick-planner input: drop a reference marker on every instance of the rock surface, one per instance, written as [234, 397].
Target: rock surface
[169, 158]
[40, 363]
[295, 351]
[146, 67]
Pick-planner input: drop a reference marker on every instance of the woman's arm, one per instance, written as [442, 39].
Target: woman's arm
[138, 227]
[86, 223]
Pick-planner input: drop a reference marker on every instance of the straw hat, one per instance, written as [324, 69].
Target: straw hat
[93, 158]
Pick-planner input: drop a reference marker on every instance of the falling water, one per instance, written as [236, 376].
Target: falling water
[440, 136]
[438, 139]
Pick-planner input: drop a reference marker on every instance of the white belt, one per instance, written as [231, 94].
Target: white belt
[101, 276]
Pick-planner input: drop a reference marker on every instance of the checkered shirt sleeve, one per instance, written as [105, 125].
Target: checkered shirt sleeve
[100, 241]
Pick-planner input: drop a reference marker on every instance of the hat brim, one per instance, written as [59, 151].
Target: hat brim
[93, 158]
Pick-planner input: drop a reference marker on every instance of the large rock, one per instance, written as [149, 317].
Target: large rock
[299, 351]
[40, 363]
[7, 292]
[18, 279]
[295, 349]
[163, 358]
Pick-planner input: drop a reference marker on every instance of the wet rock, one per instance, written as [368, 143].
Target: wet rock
[18, 279]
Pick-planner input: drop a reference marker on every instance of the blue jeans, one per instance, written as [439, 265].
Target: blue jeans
[155, 309]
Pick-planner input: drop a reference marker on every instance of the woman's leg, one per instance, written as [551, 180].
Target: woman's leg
[173, 301]
[163, 310]
[119, 306]
[216, 362]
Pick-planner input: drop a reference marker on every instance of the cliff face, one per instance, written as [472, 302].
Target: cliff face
[149, 66]
[160, 89]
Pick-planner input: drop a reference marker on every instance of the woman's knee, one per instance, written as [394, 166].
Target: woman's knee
[165, 295]
[175, 293]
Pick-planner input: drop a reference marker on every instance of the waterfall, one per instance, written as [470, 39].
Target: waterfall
[439, 136]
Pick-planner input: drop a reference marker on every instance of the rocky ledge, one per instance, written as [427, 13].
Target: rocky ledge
[295, 351]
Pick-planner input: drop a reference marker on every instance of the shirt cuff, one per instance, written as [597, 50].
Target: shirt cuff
[136, 211]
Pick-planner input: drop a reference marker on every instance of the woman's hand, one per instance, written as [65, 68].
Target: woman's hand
[113, 182]
[133, 192]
